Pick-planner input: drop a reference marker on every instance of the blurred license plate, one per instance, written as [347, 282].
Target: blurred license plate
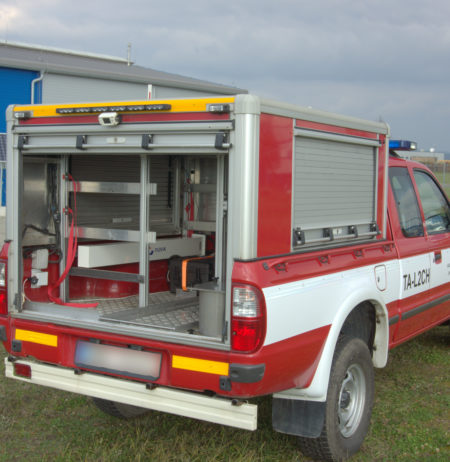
[118, 360]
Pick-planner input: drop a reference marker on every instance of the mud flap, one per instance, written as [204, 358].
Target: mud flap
[297, 417]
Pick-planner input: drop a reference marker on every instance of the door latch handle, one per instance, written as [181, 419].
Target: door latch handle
[437, 257]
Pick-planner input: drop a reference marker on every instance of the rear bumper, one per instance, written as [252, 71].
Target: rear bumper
[183, 403]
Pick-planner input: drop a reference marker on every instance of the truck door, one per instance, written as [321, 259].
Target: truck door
[421, 220]
[436, 213]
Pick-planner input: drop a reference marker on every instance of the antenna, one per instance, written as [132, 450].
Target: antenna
[129, 54]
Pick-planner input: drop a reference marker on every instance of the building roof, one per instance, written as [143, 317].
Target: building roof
[59, 61]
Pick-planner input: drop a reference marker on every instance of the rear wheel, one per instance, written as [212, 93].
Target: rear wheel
[349, 404]
[120, 410]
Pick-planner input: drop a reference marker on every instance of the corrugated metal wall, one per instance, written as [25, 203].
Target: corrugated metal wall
[160, 92]
[64, 88]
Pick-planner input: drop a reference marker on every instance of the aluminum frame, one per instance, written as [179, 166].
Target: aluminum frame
[95, 139]
[14, 187]
[64, 225]
[143, 231]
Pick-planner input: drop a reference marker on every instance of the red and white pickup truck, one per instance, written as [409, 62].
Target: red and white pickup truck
[186, 255]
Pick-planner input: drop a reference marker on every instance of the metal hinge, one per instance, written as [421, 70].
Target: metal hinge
[298, 237]
[146, 141]
[80, 141]
[17, 302]
[222, 141]
[22, 141]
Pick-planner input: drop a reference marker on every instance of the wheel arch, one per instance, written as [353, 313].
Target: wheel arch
[317, 390]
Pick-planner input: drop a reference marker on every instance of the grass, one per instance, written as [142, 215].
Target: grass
[410, 422]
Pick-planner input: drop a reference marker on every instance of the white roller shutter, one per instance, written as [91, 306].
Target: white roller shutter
[335, 181]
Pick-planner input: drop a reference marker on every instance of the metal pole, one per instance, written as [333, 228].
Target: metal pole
[220, 209]
[64, 224]
[143, 232]
[14, 197]
[33, 86]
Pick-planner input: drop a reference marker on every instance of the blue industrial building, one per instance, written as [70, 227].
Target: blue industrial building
[35, 74]
[16, 87]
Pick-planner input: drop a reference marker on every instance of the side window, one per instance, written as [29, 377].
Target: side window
[434, 204]
[406, 200]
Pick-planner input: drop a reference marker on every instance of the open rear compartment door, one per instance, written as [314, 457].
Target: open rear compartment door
[148, 208]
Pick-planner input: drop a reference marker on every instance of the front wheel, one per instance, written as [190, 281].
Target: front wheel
[349, 404]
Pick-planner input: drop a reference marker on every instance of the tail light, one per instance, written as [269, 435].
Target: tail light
[22, 370]
[3, 296]
[248, 323]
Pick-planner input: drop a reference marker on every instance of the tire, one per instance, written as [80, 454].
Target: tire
[349, 404]
[119, 410]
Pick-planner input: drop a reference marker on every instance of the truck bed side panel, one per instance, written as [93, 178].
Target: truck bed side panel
[275, 185]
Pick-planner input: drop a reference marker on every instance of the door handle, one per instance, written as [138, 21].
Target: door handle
[438, 257]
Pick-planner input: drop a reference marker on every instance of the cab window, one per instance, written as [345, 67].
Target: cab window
[406, 201]
[434, 204]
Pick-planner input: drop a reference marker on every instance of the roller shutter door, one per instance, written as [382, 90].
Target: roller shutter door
[334, 190]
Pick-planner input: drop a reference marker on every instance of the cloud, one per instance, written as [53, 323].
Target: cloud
[367, 58]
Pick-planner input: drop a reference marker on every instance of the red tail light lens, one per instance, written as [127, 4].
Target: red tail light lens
[246, 335]
[3, 296]
[22, 370]
[248, 319]
[3, 303]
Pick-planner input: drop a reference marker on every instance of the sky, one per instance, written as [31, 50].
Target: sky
[376, 59]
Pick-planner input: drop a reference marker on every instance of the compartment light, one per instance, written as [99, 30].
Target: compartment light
[219, 108]
[23, 115]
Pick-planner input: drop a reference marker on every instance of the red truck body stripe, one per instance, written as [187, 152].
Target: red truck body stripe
[286, 268]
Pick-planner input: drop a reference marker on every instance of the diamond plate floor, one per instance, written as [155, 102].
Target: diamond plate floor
[165, 311]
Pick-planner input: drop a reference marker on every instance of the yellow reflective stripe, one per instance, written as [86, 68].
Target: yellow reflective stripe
[200, 365]
[178, 105]
[37, 337]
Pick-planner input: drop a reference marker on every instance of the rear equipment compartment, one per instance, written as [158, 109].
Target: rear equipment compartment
[120, 219]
